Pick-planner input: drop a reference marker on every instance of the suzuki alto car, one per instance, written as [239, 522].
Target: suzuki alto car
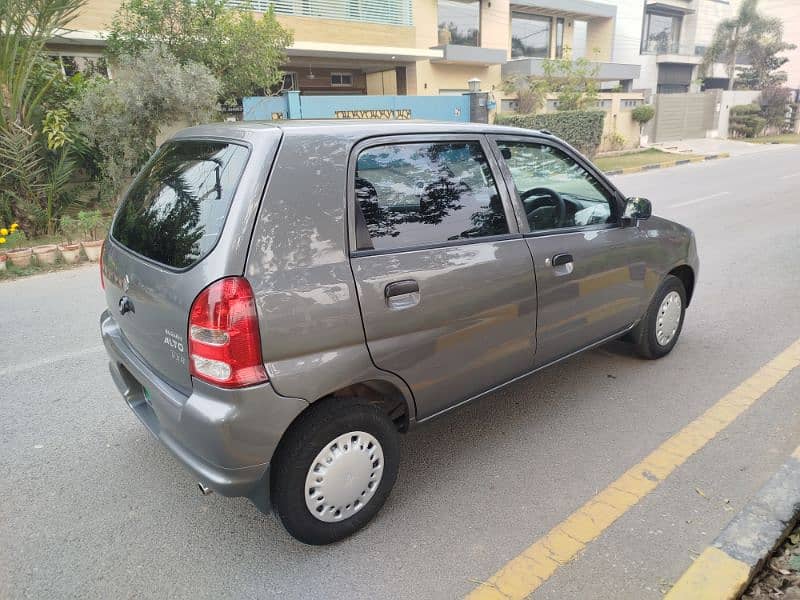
[284, 300]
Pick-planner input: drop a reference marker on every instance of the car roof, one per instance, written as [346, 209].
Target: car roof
[347, 128]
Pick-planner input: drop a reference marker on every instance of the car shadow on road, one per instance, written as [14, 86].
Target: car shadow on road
[497, 446]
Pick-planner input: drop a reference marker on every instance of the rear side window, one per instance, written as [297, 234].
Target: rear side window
[176, 207]
[416, 194]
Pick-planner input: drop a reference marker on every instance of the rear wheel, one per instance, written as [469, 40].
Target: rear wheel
[334, 470]
[658, 331]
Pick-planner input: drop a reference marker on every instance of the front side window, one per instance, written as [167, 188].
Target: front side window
[555, 191]
[427, 193]
[175, 209]
[661, 33]
[459, 22]
[530, 36]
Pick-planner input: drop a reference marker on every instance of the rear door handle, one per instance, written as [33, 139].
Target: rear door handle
[401, 288]
[561, 259]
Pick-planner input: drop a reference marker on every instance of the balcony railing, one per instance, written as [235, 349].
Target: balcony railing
[385, 12]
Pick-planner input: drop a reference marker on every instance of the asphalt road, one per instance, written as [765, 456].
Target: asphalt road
[92, 507]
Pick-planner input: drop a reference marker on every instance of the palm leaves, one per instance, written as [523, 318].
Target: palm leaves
[25, 27]
[739, 35]
[25, 175]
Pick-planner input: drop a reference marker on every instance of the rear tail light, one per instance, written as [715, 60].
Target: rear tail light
[102, 279]
[224, 342]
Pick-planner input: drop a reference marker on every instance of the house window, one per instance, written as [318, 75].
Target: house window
[459, 22]
[662, 33]
[530, 36]
[341, 80]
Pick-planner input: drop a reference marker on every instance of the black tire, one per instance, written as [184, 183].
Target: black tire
[644, 336]
[306, 438]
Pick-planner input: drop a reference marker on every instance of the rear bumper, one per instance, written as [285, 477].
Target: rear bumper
[225, 438]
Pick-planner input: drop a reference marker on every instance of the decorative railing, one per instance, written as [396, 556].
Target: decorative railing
[386, 12]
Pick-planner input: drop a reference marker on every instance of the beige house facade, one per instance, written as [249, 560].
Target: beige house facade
[420, 47]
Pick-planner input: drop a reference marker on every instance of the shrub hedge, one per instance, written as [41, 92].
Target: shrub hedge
[746, 121]
[581, 128]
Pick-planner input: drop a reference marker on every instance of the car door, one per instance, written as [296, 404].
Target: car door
[444, 277]
[589, 285]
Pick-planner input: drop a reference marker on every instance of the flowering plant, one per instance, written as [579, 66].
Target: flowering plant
[11, 237]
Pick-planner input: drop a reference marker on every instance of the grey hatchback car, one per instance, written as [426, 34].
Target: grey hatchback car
[285, 299]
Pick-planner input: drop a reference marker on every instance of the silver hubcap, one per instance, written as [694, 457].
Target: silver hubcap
[669, 316]
[344, 476]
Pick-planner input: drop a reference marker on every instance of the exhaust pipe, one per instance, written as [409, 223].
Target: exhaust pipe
[204, 489]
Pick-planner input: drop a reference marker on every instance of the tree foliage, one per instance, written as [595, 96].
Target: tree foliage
[574, 82]
[763, 70]
[747, 33]
[244, 52]
[774, 104]
[643, 114]
[121, 118]
[28, 169]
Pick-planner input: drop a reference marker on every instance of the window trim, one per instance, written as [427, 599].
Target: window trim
[512, 219]
[616, 202]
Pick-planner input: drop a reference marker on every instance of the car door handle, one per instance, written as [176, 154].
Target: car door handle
[561, 259]
[401, 288]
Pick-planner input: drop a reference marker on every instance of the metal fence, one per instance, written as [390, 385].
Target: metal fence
[387, 12]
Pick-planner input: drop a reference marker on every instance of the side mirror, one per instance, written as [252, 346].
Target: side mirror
[637, 209]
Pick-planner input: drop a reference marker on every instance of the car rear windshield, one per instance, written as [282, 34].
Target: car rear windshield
[175, 210]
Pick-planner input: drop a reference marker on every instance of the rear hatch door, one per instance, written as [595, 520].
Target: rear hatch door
[184, 223]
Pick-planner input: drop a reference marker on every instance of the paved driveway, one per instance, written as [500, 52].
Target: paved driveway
[93, 507]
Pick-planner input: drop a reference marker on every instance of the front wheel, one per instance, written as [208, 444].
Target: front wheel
[658, 331]
[334, 470]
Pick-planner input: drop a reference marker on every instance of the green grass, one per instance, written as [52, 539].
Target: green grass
[784, 138]
[651, 156]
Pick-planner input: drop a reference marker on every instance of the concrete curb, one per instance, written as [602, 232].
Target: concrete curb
[725, 568]
[666, 164]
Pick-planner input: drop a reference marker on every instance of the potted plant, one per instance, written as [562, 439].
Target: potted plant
[91, 223]
[46, 254]
[70, 249]
[19, 254]
[643, 114]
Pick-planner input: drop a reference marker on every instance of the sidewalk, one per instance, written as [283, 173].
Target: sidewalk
[724, 569]
[714, 146]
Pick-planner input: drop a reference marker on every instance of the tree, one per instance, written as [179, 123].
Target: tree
[774, 102]
[742, 34]
[121, 118]
[28, 170]
[243, 52]
[574, 82]
[764, 64]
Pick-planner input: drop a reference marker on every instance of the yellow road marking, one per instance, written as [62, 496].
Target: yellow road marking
[523, 574]
[713, 574]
